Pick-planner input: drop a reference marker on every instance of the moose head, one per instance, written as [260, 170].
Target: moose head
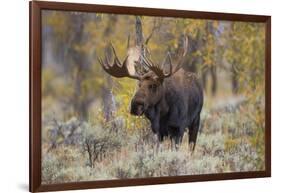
[150, 84]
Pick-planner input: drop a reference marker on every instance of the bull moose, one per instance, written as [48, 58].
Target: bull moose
[172, 101]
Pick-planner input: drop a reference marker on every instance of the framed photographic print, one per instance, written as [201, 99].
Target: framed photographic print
[123, 96]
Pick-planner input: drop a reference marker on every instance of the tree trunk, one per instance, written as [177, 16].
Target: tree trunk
[139, 34]
[139, 43]
[81, 65]
[234, 79]
[109, 104]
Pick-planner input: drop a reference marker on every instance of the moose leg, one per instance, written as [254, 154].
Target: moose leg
[193, 132]
[157, 140]
[172, 143]
[178, 138]
[176, 134]
[171, 134]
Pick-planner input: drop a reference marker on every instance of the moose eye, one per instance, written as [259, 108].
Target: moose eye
[152, 87]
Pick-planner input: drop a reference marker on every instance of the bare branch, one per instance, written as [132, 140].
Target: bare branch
[154, 28]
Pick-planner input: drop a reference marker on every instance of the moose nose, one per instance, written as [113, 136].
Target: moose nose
[137, 108]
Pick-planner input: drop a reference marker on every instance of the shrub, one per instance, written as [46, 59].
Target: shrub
[100, 141]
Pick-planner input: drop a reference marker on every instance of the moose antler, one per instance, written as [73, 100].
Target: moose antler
[118, 69]
[159, 70]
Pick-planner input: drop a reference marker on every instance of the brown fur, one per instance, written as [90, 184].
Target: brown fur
[171, 105]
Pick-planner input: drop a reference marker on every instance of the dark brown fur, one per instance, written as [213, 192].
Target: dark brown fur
[172, 105]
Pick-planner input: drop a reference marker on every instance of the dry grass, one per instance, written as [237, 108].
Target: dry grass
[229, 141]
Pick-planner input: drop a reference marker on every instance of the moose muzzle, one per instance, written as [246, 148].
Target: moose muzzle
[137, 108]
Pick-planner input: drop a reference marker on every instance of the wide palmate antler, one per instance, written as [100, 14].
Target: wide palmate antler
[159, 70]
[118, 69]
